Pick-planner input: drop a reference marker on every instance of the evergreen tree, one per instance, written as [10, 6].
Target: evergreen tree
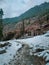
[1, 26]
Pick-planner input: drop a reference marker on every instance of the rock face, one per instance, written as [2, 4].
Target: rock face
[23, 57]
[31, 27]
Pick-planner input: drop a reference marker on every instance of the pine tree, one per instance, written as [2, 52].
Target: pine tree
[1, 26]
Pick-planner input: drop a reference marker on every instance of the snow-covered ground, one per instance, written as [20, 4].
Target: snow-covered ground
[10, 51]
[41, 41]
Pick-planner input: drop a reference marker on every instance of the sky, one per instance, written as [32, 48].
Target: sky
[14, 8]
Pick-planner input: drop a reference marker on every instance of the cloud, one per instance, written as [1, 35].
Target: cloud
[14, 8]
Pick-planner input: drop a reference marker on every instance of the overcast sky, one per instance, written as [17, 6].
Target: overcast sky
[14, 8]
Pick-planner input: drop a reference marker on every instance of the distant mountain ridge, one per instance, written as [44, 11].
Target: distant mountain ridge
[35, 11]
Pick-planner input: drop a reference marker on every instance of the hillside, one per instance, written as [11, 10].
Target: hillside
[33, 12]
[36, 22]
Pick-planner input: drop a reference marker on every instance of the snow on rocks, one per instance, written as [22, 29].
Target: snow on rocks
[10, 47]
[44, 54]
[36, 42]
[40, 43]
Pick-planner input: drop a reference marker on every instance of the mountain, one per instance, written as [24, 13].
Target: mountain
[36, 11]
[33, 12]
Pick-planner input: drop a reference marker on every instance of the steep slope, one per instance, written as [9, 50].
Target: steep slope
[35, 11]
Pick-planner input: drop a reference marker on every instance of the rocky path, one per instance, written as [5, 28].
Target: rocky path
[23, 57]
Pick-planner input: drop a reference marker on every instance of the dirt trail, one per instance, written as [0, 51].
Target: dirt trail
[23, 57]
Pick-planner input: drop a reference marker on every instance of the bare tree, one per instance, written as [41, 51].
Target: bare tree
[22, 29]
